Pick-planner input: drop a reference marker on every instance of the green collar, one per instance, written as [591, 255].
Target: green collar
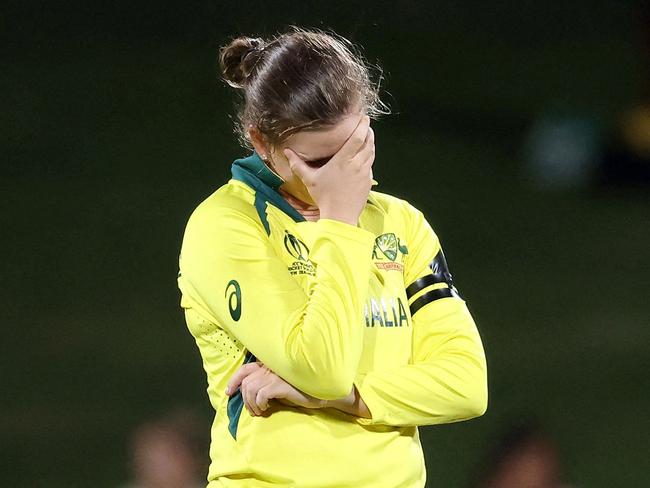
[257, 167]
[256, 174]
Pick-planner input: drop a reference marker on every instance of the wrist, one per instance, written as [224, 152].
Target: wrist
[345, 404]
[347, 219]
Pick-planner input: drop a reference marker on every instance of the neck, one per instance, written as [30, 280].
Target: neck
[307, 210]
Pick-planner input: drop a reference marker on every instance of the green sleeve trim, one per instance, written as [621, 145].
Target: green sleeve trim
[236, 403]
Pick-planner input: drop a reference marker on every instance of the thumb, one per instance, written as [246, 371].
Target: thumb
[297, 165]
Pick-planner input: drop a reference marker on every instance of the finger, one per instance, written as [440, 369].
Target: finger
[253, 408]
[371, 137]
[235, 380]
[369, 143]
[244, 395]
[366, 150]
[356, 139]
[247, 405]
[249, 389]
[263, 396]
[369, 159]
[297, 165]
[252, 384]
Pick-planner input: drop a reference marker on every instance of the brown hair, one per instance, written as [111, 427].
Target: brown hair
[299, 80]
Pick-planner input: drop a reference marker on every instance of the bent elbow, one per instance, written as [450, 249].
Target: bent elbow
[477, 406]
[477, 403]
[470, 408]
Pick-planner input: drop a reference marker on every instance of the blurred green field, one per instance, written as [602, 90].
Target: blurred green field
[113, 141]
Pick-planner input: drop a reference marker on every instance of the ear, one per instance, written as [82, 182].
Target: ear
[258, 141]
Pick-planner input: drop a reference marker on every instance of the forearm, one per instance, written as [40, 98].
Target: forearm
[448, 388]
[323, 347]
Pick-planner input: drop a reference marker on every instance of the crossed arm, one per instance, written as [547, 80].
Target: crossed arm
[446, 379]
[311, 348]
[445, 382]
[259, 385]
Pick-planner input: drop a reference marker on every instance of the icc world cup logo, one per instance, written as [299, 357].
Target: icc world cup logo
[295, 247]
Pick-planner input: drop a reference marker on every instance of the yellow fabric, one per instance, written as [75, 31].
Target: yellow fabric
[323, 305]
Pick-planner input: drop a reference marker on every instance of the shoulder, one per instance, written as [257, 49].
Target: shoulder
[385, 202]
[399, 208]
[228, 208]
[232, 200]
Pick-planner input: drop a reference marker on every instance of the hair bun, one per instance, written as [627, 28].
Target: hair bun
[238, 59]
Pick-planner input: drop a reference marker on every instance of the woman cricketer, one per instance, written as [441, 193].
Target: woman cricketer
[324, 312]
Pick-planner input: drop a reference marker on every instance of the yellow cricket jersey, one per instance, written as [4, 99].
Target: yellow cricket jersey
[326, 305]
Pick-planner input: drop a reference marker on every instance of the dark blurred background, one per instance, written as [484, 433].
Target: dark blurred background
[518, 128]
